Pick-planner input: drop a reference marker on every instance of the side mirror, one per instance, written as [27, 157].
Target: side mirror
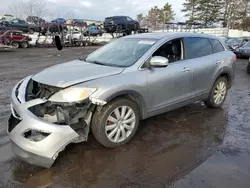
[58, 42]
[158, 61]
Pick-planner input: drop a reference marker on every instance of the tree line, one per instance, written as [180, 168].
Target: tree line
[229, 13]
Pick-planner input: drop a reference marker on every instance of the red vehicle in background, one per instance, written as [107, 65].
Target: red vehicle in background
[14, 38]
[17, 39]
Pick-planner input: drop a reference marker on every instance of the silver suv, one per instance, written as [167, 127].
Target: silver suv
[110, 91]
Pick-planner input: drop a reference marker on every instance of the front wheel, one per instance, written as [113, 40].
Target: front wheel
[218, 93]
[116, 123]
[15, 44]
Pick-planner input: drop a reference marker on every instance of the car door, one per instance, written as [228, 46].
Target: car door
[15, 24]
[169, 87]
[130, 23]
[24, 25]
[199, 50]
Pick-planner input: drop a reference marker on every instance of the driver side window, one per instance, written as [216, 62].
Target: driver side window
[172, 50]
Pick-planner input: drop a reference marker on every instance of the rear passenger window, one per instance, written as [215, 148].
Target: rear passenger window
[197, 47]
[217, 46]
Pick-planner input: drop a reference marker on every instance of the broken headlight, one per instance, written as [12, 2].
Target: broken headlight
[72, 94]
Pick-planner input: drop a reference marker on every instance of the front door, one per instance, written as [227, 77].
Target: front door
[171, 85]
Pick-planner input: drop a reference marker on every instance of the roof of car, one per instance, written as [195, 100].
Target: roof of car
[160, 35]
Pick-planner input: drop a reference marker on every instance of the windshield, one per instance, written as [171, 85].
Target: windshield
[234, 41]
[246, 45]
[120, 53]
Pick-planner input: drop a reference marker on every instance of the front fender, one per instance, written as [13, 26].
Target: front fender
[137, 93]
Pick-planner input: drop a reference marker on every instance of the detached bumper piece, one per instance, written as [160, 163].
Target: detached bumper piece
[31, 158]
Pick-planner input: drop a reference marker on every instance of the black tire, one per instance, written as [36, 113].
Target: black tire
[100, 117]
[129, 32]
[100, 34]
[248, 68]
[31, 31]
[15, 44]
[25, 44]
[210, 102]
[81, 43]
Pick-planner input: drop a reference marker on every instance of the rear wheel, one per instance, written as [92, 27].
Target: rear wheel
[31, 31]
[116, 123]
[248, 68]
[25, 44]
[218, 93]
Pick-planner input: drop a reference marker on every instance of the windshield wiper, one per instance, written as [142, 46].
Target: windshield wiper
[97, 62]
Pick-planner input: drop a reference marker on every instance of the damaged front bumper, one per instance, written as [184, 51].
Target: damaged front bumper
[34, 139]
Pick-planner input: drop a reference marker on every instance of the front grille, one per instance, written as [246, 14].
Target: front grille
[38, 90]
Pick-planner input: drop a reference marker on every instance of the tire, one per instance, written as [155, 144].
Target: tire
[129, 32]
[15, 44]
[25, 44]
[81, 43]
[248, 68]
[31, 31]
[100, 34]
[100, 122]
[211, 101]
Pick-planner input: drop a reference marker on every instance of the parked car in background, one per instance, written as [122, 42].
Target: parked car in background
[75, 35]
[59, 20]
[234, 43]
[35, 20]
[22, 25]
[243, 51]
[7, 17]
[18, 39]
[113, 88]
[225, 39]
[93, 31]
[54, 28]
[124, 23]
[14, 38]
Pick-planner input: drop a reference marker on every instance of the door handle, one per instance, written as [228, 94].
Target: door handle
[185, 69]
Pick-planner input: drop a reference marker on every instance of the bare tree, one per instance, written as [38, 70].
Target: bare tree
[16, 10]
[140, 18]
[35, 8]
[29, 8]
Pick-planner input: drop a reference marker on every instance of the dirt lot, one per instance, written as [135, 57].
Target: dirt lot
[190, 147]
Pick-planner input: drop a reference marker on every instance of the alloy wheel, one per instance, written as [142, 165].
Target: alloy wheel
[120, 124]
[220, 92]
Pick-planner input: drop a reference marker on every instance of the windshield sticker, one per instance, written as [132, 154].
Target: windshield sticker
[149, 42]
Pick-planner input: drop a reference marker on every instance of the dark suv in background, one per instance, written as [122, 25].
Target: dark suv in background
[120, 23]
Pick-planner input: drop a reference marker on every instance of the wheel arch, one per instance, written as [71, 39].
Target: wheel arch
[134, 96]
[228, 76]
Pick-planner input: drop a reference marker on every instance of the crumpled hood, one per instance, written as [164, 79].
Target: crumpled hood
[74, 72]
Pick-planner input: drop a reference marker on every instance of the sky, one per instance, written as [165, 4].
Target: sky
[99, 9]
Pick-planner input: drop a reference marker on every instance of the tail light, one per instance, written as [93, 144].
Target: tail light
[235, 58]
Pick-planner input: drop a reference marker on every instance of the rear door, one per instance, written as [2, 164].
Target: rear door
[130, 23]
[24, 25]
[204, 63]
